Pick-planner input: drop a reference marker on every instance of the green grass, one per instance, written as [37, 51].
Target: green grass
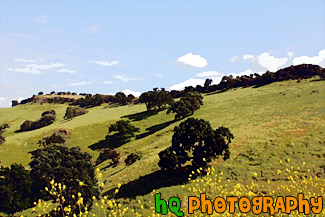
[276, 122]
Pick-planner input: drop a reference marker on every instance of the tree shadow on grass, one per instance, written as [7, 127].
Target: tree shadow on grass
[141, 115]
[145, 184]
[115, 143]
[106, 143]
[155, 128]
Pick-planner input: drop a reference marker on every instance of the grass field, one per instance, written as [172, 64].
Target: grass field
[276, 127]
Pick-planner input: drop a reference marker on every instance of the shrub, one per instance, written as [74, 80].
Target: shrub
[108, 154]
[48, 117]
[58, 137]
[132, 158]
[73, 111]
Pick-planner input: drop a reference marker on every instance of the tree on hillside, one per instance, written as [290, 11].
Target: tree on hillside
[89, 100]
[194, 140]
[68, 166]
[207, 84]
[14, 103]
[120, 98]
[156, 99]
[122, 131]
[187, 105]
[58, 137]
[15, 189]
[48, 117]
[130, 98]
[73, 111]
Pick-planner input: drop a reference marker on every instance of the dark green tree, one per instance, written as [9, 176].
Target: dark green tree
[156, 99]
[194, 140]
[121, 132]
[120, 98]
[187, 105]
[68, 166]
[15, 189]
[207, 84]
[14, 103]
[130, 98]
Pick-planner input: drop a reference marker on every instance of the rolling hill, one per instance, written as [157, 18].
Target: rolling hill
[277, 127]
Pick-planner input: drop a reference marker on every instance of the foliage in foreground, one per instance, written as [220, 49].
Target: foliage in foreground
[66, 165]
[211, 182]
[15, 189]
[195, 140]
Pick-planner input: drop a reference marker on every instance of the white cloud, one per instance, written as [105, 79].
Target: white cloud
[216, 80]
[67, 70]
[25, 60]
[193, 60]
[94, 28]
[289, 54]
[271, 63]
[26, 70]
[45, 66]
[125, 78]
[316, 60]
[41, 19]
[107, 82]
[134, 93]
[190, 82]
[158, 75]
[234, 58]
[105, 63]
[35, 68]
[248, 57]
[80, 83]
[208, 74]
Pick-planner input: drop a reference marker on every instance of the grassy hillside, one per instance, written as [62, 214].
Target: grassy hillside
[283, 121]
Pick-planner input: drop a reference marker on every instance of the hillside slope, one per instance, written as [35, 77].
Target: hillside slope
[280, 121]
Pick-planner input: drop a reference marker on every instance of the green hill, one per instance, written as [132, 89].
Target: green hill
[283, 121]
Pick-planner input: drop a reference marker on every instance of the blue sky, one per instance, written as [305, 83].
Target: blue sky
[134, 46]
